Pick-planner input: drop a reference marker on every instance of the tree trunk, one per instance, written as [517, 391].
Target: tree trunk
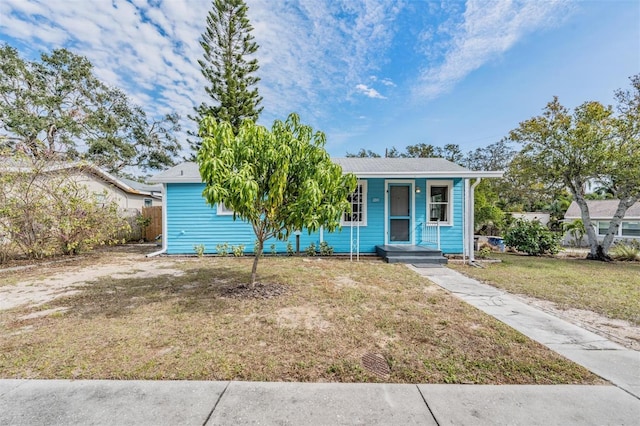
[623, 206]
[592, 236]
[600, 255]
[254, 270]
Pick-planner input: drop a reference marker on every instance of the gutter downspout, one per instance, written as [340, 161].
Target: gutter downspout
[465, 219]
[164, 223]
[471, 220]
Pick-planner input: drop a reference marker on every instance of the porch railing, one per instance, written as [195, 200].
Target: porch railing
[430, 234]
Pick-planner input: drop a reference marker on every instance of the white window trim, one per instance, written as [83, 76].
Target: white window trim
[596, 223]
[222, 210]
[622, 230]
[363, 214]
[449, 184]
[149, 200]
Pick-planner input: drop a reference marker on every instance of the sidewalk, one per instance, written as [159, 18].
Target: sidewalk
[102, 402]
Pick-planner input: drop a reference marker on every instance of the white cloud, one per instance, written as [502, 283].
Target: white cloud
[315, 52]
[369, 91]
[312, 52]
[388, 82]
[487, 29]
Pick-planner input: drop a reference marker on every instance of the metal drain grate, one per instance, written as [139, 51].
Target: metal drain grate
[376, 364]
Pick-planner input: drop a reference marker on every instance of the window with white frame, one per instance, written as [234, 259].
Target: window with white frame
[358, 201]
[439, 205]
[630, 229]
[223, 210]
[148, 202]
[603, 227]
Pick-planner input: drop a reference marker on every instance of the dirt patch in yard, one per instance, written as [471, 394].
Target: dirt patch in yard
[46, 281]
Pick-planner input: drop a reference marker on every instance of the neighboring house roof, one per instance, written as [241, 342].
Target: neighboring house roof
[601, 209]
[142, 186]
[362, 167]
[129, 186]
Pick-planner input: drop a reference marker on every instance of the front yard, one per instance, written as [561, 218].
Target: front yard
[319, 320]
[604, 297]
[611, 289]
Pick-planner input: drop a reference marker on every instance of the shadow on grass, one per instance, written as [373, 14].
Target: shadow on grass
[197, 290]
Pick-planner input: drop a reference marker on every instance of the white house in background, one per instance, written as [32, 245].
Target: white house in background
[601, 213]
[128, 194]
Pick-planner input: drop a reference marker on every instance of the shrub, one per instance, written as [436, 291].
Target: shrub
[238, 251]
[532, 237]
[199, 249]
[325, 249]
[222, 249]
[290, 251]
[143, 222]
[273, 250]
[484, 252]
[311, 250]
[45, 211]
[626, 251]
[576, 230]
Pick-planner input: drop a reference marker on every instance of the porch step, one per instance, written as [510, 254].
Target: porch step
[415, 255]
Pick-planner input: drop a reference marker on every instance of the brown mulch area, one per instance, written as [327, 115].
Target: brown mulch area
[259, 291]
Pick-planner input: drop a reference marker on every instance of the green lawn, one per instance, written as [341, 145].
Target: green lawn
[611, 289]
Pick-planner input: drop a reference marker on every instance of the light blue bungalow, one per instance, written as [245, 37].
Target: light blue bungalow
[404, 209]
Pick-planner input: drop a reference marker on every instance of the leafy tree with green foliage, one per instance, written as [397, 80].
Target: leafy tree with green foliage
[56, 107]
[489, 217]
[568, 150]
[576, 230]
[363, 153]
[450, 152]
[532, 237]
[279, 181]
[228, 67]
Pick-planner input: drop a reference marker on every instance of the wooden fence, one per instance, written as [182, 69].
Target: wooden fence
[155, 226]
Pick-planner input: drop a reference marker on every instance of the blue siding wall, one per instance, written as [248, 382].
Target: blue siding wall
[191, 221]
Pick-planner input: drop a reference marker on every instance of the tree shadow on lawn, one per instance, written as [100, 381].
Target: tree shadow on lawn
[197, 290]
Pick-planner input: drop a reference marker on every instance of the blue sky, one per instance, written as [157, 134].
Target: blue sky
[370, 74]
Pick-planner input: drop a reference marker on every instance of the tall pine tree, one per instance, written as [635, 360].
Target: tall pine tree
[228, 44]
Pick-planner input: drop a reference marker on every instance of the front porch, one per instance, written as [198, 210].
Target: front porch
[415, 255]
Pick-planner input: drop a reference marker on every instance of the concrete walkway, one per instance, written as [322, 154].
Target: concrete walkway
[615, 363]
[102, 402]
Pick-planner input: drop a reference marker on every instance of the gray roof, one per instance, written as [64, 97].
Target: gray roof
[362, 167]
[187, 172]
[394, 166]
[142, 186]
[601, 209]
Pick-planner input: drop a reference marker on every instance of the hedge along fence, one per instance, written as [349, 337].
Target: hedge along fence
[134, 233]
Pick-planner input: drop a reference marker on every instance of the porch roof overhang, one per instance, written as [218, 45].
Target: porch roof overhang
[409, 168]
[433, 175]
